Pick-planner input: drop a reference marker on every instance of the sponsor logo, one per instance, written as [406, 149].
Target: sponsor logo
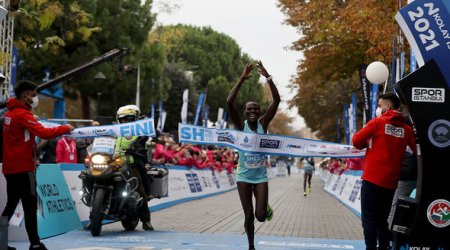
[8, 120]
[245, 144]
[428, 95]
[408, 247]
[294, 146]
[394, 131]
[438, 213]
[439, 133]
[268, 143]
[103, 131]
[225, 137]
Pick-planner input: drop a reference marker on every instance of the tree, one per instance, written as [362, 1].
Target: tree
[337, 36]
[216, 60]
[76, 32]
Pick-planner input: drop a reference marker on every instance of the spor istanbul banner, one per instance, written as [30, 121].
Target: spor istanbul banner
[138, 128]
[426, 25]
[265, 143]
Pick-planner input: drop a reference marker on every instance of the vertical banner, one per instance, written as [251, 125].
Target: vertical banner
[412, 62]
[152, 111]
[224, 120]
[205, 115]
[15, 60]
[199, 108]
[402, 65]
[426, 25]
[160, 125]
[338, 139]
[219, 118]
[394, 65]
[354, 108]
[346, 124]
[374, 100]
[350, 121]
[365, 88]
[184, 108]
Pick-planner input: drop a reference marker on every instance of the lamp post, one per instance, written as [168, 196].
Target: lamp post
[99, 77]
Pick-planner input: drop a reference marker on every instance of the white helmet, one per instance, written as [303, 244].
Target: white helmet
[131, 111]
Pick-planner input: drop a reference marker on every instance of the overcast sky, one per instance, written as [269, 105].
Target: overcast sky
[256, 25]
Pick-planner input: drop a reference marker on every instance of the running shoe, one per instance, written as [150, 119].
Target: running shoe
[309, 190]
[304, 194]
[269, 213]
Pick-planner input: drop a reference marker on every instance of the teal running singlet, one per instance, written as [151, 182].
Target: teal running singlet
[252, 166]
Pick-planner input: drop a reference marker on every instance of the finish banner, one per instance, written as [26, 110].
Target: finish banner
[426, 25]
[138, 128]
[265, 143]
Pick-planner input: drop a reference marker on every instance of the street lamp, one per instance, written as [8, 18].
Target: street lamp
[99, 77]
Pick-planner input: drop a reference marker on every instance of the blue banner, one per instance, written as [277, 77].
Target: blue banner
[338, 139]
[57, 213]
[412, 62]
[354, 107]
[374, 100]
[15, 60]
[199, 108]
[152, 111]
[346, 124]
[426, 25]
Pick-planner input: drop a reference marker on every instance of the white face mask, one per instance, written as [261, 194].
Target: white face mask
[378, 112]
[34, 102]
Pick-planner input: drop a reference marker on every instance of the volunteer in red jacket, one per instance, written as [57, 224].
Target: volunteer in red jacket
[385, 138]
[19, 156]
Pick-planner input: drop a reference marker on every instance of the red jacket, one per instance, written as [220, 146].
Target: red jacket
[66, 150]
[19, 131]
[385, 138]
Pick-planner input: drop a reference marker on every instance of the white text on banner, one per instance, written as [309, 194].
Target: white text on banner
[265, 143]
[143, 127]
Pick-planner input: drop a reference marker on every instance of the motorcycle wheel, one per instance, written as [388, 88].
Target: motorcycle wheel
[97, 213]
[130, 223]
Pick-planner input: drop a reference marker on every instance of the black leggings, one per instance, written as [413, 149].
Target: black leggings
[23, 187]
[261, 192]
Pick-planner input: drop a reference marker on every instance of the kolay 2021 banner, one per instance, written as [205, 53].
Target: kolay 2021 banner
[424, 223]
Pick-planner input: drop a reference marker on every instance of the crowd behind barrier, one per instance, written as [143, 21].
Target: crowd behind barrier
[162, 150]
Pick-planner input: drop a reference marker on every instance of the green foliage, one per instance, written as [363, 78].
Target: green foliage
[216, 60]
[60, 35]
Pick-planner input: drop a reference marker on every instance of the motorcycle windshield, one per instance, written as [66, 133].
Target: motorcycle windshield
[104, 145]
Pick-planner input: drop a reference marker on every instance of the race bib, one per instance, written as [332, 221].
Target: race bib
[254, 160]
[103, 145]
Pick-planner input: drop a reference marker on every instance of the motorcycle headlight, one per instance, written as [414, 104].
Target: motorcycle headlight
[99, 159]
[100, 162]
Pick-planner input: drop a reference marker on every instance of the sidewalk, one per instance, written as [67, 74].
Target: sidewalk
[317, 222]
[319, 215]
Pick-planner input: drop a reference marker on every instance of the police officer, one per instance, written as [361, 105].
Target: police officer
[136, 156]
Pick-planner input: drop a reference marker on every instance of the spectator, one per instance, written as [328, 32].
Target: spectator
[19, 156]
[385, 138]
[47, 149]
[66, 150]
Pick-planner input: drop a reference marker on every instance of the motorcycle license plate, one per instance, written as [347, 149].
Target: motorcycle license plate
[103, 145]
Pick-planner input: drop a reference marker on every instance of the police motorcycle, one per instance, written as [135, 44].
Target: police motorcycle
[109, 188]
